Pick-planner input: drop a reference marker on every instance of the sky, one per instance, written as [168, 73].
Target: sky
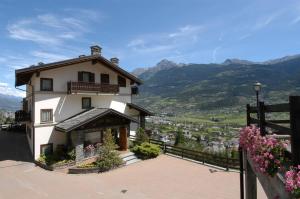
[143, 32]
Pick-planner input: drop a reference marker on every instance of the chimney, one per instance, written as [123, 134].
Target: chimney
[96, 50]
[114, 60]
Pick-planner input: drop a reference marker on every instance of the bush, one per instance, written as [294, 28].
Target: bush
[146, 150]
[88, 165]
[109, 161]
[72, 154]
[59, 156]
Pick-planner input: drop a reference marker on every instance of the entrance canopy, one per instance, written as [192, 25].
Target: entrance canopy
[95, 117]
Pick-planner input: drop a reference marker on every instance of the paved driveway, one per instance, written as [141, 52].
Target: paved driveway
[165, 177]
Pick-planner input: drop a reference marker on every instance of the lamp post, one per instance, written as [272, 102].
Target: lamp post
[257, 88]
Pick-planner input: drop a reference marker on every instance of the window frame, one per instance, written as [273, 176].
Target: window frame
[106, 78]
[41, 84]
[51, 116]
[120, 83]
[91, 76]
[44, 145]
[90, 101]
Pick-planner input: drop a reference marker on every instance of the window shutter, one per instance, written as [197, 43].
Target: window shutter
[92, 77]
[80, 76]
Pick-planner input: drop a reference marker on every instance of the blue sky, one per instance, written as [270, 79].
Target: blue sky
[142, 32]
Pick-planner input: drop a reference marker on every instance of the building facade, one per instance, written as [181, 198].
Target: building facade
[73, 102]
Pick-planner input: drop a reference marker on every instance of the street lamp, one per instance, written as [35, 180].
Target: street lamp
[257, 88]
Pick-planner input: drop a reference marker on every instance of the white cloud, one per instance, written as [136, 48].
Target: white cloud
[52, 29]
[49, 57]
[295, 20]
[245, 36]
[163, 42]
[22, 30]
[5, 89]
[214, 53]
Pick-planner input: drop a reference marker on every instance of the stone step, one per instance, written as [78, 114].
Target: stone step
[127, 158]
[133, 161]
[126, 154]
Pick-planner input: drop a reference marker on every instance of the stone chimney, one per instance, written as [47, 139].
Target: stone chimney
[114, 60]
[96, 50]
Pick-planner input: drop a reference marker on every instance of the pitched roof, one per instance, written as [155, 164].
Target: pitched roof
[140, 109]
[88, 116]
[23, 75]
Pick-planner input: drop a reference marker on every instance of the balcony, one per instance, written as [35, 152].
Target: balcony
[22, 116]
[77, 87]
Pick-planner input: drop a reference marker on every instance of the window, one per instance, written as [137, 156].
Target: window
[104, 78]
[86, 103]
[86, 77]
[46, 115]
[121, 81]
[46, 149]
[46, 84]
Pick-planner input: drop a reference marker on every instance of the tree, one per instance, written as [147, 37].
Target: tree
[108, 157]
[179, 139]
[108, 141]
[141, 135]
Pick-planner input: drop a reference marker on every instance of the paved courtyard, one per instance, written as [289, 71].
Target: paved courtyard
[164, 177]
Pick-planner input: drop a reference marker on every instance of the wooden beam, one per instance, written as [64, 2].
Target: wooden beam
[295, 128]
[282, 129]
[277, 108]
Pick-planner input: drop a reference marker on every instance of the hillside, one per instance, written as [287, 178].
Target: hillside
[195, 88]
[10, 103]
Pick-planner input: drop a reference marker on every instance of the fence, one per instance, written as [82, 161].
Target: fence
[289, 127]
[200, 156]
[293, 124]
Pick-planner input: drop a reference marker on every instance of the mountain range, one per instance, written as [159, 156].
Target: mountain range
[176, 88]
[9, 102]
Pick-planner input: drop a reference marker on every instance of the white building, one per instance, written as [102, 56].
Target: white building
[74, 101]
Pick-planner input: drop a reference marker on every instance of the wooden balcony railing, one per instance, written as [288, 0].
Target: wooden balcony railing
[22, 116]
[75, 87]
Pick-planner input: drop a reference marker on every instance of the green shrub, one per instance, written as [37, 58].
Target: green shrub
[88, 165]
[71, 154]
[59, 156]
[146, 150]
[109, 161]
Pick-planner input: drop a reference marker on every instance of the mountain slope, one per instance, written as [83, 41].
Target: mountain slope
[199, 87]
[10, 103]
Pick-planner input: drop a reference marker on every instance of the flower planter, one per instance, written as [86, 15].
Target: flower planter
[76, 170]
[55, 166]
[273, 186]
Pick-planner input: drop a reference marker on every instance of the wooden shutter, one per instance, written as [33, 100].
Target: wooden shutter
[80, 76]
[92, 77]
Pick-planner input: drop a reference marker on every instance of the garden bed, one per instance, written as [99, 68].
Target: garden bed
[57, 166]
